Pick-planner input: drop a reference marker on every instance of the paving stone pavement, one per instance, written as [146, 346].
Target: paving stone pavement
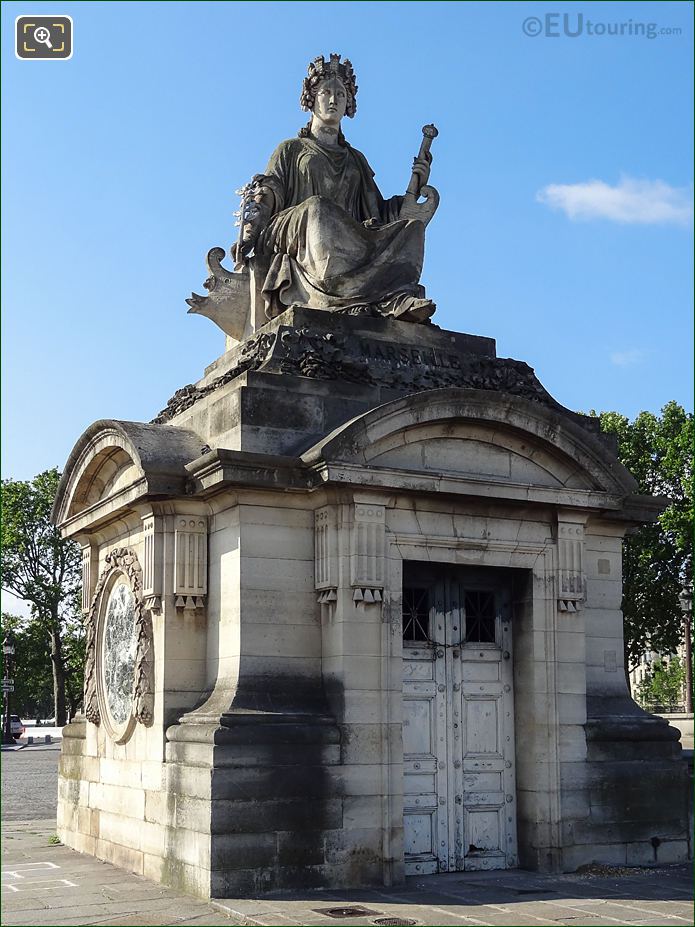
[508, 899]
[45, 885]
[30, 782]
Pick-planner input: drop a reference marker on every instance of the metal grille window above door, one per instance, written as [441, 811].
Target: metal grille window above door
[480, 616]
[416, 614]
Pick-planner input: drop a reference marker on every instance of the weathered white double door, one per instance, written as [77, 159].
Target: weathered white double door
[459, 808]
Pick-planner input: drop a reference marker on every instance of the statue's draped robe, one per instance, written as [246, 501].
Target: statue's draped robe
[315, 250]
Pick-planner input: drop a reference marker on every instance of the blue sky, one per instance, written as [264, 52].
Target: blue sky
[120, 166]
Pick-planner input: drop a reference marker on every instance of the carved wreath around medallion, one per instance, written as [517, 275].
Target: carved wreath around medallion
[122, 560]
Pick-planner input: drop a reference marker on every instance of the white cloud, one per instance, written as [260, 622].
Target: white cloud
[644, 202]
[627, 358]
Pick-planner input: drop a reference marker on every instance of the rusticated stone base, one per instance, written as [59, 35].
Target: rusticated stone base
[636, 784]
[256, 808]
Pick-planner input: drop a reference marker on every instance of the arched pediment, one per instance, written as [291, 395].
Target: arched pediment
[110, 469]
[123, 460]
[477, 434]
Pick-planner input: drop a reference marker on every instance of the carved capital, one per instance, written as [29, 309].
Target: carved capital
[367, 553]
[571, 579]
[326, 555]
[190, 561]
[89, 578]
[153, 567]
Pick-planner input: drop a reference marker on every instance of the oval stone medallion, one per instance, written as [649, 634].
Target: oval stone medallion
[118, 652]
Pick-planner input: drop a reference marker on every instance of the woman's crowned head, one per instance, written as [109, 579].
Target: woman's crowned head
[321, 70]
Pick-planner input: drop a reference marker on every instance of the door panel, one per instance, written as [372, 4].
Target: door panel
[482, 672]
[485, 834]
[419, 724]
[424, 743]
[481, 725]
[458, 733]
[420, 837]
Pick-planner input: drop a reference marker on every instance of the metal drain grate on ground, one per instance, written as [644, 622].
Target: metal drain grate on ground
[394, 922]
[347, 912]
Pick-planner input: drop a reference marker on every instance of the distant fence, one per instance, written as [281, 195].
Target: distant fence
[663, 709]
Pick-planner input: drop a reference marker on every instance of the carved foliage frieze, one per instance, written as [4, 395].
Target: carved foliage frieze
[124, 561]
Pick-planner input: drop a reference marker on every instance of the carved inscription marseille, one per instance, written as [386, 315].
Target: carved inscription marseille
[418, 357]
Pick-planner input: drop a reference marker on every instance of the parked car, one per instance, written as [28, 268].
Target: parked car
[16, 726]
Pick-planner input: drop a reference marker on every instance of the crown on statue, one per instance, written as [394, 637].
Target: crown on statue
[320, 69]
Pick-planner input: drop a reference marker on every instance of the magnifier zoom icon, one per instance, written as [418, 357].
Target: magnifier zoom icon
[43, 36]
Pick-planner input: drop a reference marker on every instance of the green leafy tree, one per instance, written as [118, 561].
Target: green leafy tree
[657, 559]
[663, 685]
[44, 570]
[33, 680]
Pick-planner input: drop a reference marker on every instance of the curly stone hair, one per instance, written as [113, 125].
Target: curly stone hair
[320, 69]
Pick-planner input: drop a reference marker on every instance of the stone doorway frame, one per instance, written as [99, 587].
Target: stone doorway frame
[536, 697]
[452, 661]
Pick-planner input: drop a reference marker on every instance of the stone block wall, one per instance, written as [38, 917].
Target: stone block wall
[113, 808]
[629, 792]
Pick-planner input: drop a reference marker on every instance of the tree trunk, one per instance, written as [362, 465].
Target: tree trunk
[71, 698]
[58, 677]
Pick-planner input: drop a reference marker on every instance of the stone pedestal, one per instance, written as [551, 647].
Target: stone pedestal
[265, 527]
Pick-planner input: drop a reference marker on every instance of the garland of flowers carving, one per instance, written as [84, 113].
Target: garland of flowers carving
[123, 560]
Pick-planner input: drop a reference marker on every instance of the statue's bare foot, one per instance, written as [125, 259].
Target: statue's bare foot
[408, 308]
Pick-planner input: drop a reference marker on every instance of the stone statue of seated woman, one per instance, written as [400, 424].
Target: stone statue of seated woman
[315, 230]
